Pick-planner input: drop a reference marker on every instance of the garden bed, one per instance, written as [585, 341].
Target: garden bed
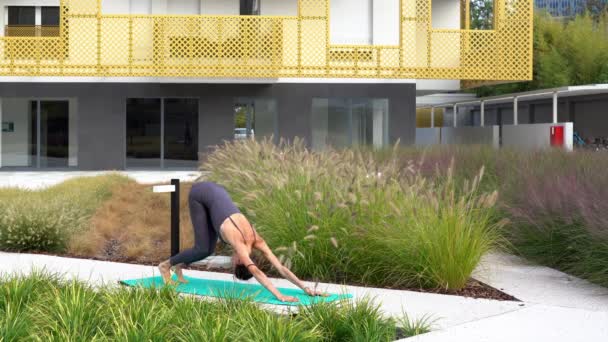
[401, 219]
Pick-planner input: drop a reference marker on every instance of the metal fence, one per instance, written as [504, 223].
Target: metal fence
[92, 44]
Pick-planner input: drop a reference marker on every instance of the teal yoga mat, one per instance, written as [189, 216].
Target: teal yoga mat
[230, 289]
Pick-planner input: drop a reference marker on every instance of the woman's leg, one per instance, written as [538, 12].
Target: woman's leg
[205, 237]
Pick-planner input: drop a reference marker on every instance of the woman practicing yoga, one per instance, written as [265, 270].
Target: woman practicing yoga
[214, 215]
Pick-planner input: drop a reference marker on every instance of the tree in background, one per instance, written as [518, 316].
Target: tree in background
[572, 52]
[596, 8]
[482, 14]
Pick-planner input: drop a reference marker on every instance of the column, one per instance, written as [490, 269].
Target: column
[483, 113]
[515, 108]
[554, 107]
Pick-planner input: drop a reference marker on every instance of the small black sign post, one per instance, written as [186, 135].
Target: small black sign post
[174, 190]
[175, 218]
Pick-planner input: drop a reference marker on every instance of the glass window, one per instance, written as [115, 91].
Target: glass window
[22, 15]
[50, 16]
[346, 122]
[255, 118]
[181, 133]
[250, 7]
[143, 132]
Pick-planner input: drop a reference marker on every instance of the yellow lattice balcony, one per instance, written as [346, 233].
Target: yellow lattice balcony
[88, 43]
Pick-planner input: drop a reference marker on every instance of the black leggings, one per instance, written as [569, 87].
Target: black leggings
[205, 236]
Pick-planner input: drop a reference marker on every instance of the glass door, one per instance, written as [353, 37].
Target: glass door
[37, 134]
[143, 133]
[162, 133]
[180, 133]
[54, 142]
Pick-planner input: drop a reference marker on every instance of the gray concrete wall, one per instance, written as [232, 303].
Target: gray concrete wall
[534, 136]
[428, 136]
[488, 135]
[102, 110]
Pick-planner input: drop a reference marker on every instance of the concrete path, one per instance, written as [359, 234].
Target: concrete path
[448, 310]
[559, 307]
[35, 180]
[536, 323]
[540, 285]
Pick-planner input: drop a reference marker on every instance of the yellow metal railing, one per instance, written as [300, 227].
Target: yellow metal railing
[93, 44]
[31, 31]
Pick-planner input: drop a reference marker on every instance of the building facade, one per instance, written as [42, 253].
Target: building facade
[120, 84]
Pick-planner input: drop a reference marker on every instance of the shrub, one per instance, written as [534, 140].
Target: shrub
[44, 307]
[45, 220]
[350, 322]
[345, 216]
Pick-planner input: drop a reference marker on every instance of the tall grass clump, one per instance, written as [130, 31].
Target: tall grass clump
[43, 307]
[559, 209]
[555, 200]
[347, 216]
[44, 220]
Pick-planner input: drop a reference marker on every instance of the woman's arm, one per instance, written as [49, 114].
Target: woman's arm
[284, 271]
[260, 276]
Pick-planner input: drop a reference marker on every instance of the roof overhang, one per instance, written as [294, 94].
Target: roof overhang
[590, 89]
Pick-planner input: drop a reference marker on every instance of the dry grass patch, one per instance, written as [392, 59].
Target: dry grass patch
[134, 225]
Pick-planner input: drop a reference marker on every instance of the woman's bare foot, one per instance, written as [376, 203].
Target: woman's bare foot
[165, 272]
[178, 269]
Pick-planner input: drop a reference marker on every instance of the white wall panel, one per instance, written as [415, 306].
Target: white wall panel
[351, 22]
[385, 22]
[183, 7]
[279, 7]
[115, 7]
[141, 6]
[445, 14]
[221, 7]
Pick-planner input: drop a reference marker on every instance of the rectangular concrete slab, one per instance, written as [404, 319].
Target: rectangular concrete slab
[538, 284]
[236, 290]
[532, 324]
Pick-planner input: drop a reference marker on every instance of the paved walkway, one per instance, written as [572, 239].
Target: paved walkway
[42, 179]
[449, 310]
[540, 285]
[545, 315]
[559, 307]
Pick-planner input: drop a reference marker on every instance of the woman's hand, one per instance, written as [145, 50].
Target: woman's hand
[315, 293]
[288, 299]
